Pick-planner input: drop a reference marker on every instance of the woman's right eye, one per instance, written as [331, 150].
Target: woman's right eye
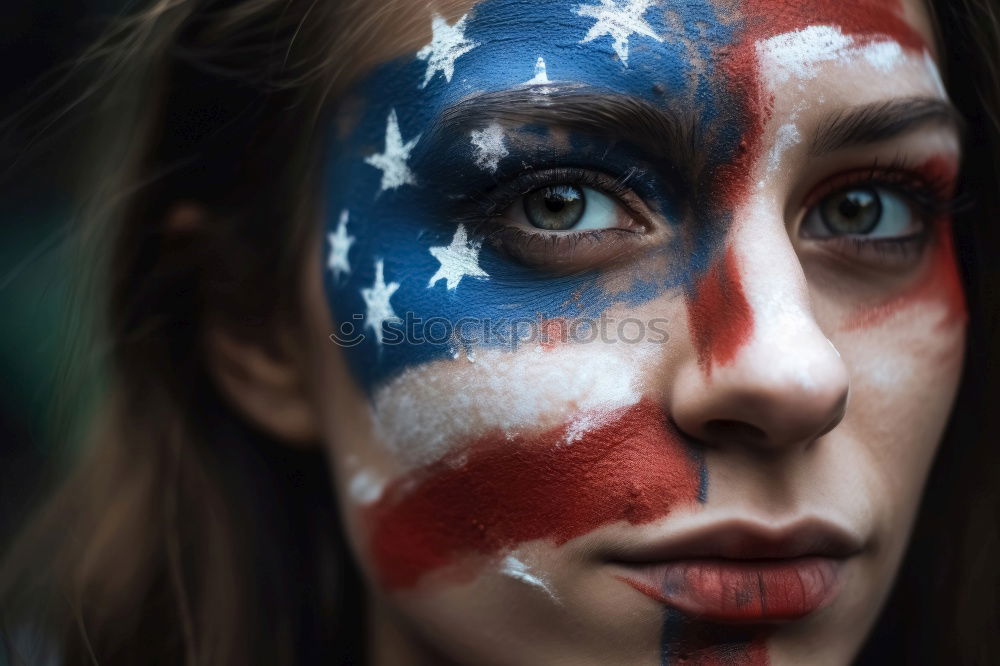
[570, 220]
[568, 207]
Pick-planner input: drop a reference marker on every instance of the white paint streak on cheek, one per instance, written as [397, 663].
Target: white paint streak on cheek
[514, 568]
[431, 409]
[585, 423]
[366, 487]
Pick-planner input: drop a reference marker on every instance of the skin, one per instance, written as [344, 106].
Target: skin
[828, 403]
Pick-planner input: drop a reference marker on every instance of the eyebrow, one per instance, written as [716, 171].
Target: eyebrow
[882, 121]
[658, 130]
[676, 136]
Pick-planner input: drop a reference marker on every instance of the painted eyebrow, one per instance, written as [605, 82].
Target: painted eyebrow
[882, 121]
[661, 131]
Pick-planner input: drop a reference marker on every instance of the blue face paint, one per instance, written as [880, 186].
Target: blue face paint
[410, 190]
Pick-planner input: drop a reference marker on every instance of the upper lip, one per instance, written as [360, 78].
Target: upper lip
[741, 539]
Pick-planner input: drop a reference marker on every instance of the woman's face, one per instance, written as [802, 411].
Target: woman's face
[647, 324]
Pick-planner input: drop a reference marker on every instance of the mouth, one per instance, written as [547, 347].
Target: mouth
[742, 573]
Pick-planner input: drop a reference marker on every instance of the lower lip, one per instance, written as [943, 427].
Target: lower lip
[740, 591]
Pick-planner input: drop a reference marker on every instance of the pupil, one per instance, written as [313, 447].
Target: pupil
[854, 212]
[555, 207]
[554, 203]
[851, 207]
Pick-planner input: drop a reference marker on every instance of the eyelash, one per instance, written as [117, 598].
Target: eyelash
[929, 193]
[532, 248]
[500, 198]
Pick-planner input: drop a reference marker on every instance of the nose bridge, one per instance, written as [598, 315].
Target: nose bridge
[777, 293]
[765, 372]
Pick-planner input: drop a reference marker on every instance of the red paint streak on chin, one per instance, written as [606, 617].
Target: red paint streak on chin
[866, 20]
[703, 645]
[503, 491]
[941, 283]
[719, 315]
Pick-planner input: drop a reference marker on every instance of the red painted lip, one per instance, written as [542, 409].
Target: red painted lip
[740, 591]
[739, 572]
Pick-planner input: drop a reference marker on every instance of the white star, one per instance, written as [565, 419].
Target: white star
[457, 260]
[618, 19]
[447, 45]
[392, 161]
[541, 73]
[489, 147]
[377, 300]
[340, 245]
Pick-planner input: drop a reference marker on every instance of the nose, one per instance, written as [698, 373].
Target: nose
[761, 373]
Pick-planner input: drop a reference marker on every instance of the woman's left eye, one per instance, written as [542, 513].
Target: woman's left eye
[567, 207]
[869, 212]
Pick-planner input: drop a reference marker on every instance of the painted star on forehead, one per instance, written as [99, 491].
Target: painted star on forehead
[392, 161]
[619, 19]
[489, 147]
[377, 301]
[340, 245]
[447, 45]
[458, 260]
[541, 73]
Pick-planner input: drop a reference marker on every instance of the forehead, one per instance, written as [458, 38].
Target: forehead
[404, 26]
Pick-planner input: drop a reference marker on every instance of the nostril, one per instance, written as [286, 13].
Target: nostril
[725, 430]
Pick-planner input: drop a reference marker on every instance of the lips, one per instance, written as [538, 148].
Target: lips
[743, 573]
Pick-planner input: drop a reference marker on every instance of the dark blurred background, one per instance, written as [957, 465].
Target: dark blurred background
[38, 39]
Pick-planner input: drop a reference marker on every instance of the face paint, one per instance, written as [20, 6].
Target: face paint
[720, 317]
[405, 175]
[550, 443]
[692, 643]
[805, 27]
[941, 285]
[780, 41]
[733, 592]
[503, 491]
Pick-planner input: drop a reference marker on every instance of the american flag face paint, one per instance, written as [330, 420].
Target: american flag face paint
[441, 130]
[690, 111]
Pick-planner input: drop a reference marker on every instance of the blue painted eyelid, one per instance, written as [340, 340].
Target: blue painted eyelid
[398, 226]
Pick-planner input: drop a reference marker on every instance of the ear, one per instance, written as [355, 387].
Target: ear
[263, 376]
[266, 383]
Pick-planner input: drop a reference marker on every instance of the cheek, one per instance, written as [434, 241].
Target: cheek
[905, 375]
[939, 289]
[545, 444]
[501, 491]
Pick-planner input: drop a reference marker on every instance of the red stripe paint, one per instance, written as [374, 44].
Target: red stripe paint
[721, 319]
[554, 332]
[719, 316]
[866, 20]
[940, 283]
[702, 644]
[502, 491]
